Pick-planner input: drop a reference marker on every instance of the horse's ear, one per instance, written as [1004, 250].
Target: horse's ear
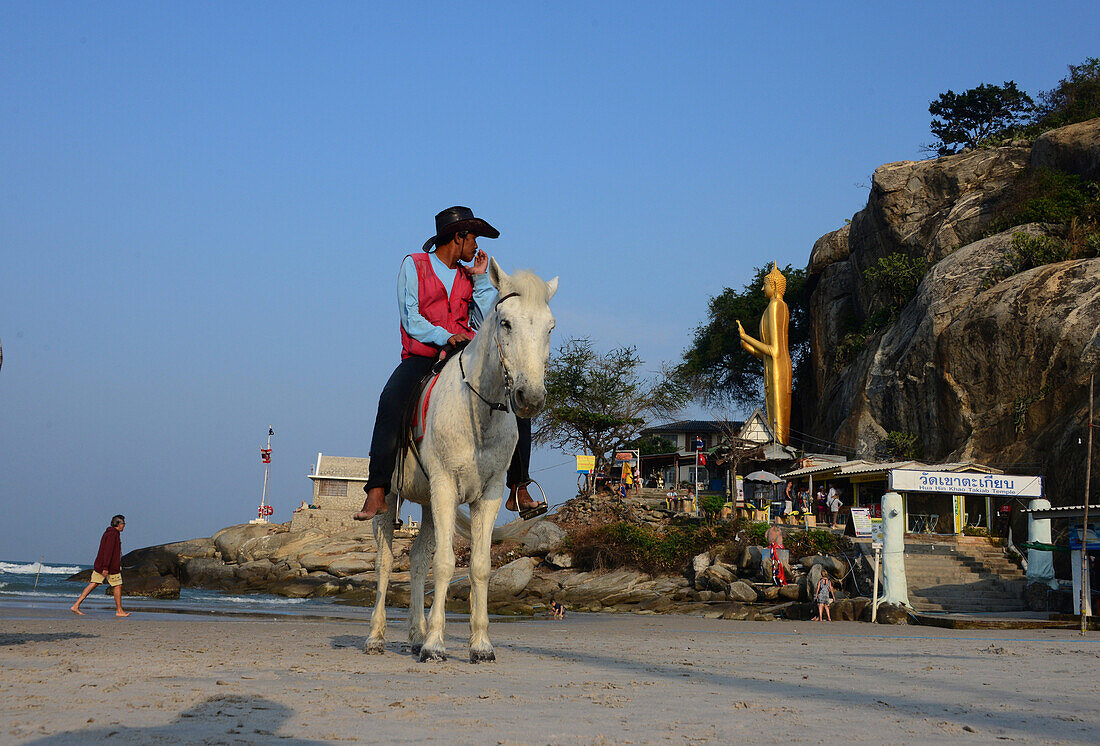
[551, 288]
[497, 275]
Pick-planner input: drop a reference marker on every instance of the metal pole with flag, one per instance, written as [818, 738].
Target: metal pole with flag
[265, 456]
[695, 474]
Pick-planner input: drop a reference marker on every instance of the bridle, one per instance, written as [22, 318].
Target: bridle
[506, 374]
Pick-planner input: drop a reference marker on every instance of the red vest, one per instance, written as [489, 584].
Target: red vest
[453, 313]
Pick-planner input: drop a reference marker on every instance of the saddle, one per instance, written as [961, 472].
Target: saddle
[416, 409]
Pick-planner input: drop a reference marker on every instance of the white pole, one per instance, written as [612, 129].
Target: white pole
[1085, 592]
[267, 468]
[874, 593]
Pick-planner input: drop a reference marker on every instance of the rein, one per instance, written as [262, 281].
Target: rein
[493, 406]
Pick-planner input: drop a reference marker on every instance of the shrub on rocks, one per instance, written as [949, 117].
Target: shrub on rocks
[652, 550]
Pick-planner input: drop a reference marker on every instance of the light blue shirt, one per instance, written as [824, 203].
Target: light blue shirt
[408, 300]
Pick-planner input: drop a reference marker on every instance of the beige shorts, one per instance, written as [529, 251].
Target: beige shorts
[113, 579]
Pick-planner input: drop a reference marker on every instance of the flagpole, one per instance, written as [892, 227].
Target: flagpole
[267, 469]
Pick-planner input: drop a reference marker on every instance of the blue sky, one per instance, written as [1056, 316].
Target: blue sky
[203, 206]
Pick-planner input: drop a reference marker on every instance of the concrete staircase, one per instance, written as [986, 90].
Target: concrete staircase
[964, 575]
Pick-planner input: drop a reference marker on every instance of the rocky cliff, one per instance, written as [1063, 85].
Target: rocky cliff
[979, 364]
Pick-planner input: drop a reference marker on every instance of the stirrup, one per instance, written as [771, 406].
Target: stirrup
[540, 508]
[534, 512]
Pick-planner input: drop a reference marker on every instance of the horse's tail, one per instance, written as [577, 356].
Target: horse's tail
[509, 531]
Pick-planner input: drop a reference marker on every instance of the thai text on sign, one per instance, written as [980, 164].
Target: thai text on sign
[961, 483]
[586, 463]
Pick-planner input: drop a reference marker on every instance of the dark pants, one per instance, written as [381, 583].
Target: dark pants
[387, 427]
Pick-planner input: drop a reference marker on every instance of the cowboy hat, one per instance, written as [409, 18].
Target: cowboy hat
[455, 219]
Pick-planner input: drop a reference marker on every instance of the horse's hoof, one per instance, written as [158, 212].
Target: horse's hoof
[482, 656]
[375, 648]
[411, 647]
[432, 655]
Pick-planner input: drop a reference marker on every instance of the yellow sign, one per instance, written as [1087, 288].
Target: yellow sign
[586, 463]
[627, 476]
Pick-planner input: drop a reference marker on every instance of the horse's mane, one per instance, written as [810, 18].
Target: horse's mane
[531, 287]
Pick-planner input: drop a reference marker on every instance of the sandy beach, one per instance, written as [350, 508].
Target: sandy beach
[590, 678]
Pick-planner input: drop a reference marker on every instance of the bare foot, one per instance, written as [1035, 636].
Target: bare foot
[76, 610]
[374, 504]
[122, 613]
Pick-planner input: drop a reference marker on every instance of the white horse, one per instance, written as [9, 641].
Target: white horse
[468, 443]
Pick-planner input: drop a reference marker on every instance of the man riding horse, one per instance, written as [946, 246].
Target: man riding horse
[433, 316]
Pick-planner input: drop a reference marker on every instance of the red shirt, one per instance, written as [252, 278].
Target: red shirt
[109, 559]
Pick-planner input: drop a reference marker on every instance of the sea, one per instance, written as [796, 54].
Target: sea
[42, 589]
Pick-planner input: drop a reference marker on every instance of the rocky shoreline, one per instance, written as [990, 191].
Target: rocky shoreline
[527, 575]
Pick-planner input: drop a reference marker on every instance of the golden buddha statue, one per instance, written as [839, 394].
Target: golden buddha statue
[773, 349]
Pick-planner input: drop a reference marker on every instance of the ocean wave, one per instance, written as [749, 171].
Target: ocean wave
[262, 600]
[31, 568]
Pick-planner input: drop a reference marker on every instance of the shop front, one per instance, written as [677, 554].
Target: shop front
[947, 502]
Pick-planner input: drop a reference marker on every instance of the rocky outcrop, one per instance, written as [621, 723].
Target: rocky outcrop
[979, 368]
[1074, 149]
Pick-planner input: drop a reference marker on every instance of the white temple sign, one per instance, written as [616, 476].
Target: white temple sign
[965, 483]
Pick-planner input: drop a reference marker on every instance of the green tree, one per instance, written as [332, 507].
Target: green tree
[967, 119]
[1075, 98]
[651, 444]
[596, 403]
[716, 367]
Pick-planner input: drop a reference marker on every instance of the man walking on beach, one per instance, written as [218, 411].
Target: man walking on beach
[441, 301]
[108, 566]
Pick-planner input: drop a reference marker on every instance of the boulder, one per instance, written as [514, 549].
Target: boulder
[750, 561]
[842, 611]
[207, 572]
[167, 558]
[254, 573]
[716, 577]
[835, 566]
[859, 604]
[890, 614]
[791, 593]
[542, 538]
[229, 540]
[829, 249]
[288, 544]
[1074, 149]
[147, 581]
[510, 580]
[590, 589]
[741, 591]
[351, 564]
[563, 560]
[701, 562]
[293, 587]
[542, 586]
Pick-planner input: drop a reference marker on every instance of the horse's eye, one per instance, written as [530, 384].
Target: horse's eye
[506, 323]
